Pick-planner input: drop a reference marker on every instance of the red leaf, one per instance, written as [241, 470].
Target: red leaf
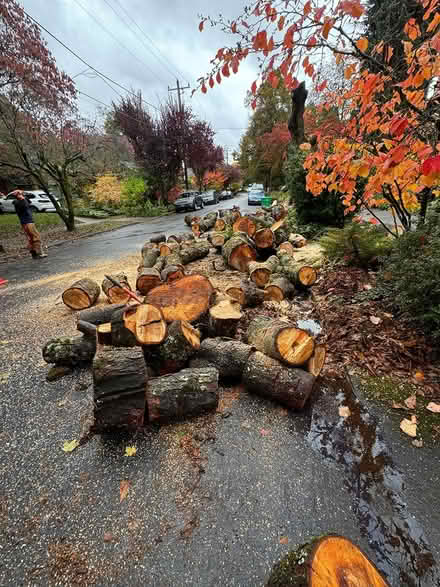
[398, 125]
[307, 8]
[234, 27]
[254, 88]
[281, 23]
[319, 14]
[431, 166]
[235, 64]
[219, 54]
[202, 22]
[245, 24]
[225, 70]
[211, 82]
[288, 38]
[204, 89]
[264, 432]
[218, 78]
[274, 79]
[311, 42]
[253, 104]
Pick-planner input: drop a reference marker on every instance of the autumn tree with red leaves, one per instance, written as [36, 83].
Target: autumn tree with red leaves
[391, 126]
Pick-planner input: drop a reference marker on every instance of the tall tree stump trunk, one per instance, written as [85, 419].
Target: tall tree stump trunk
[70, 351]
[82, 294]
[115, 294]
[181, 343]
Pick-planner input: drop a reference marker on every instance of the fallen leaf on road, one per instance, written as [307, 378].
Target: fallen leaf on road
[397, 406]
[70, 446]
[417, 443]
[411, 402]
[409, 427]
[375, 320]
[284, 540]
[130, 451]
[124, 486]
[108, 537]
[344, 411]
[264, 432]
[433, 407]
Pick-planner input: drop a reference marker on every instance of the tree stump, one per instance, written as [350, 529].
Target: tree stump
[99, 315]
[224, 318]
[327, 561]
[185, 299]
[245, 224]
[260, 273]
[147, 280]
[238, 252]
[115, 294]
[280, 340]
[70, 351]
[181, 343]
[82, 294]
[278, 289]
[187, 393]
[247, 294]
[293, 387]
[317, 360]
[228, 356]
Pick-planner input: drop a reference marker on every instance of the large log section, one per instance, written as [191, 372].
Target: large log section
[82, 294]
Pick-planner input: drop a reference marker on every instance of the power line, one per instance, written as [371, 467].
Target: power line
[103, 75]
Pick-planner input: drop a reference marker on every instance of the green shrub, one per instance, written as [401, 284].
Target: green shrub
[91, 213]
[410, 278]
[356, 244]
[133, 195]
[310, 231]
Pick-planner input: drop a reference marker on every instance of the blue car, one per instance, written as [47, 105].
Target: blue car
[255, 197]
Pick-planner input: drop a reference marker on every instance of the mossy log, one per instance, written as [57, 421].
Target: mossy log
[172, 273]
[147, 280]
[317, 360]
[82, 294]
[326, 561]
[280, 340]
[208, 221]
[245, 224]
[260, 273]
[302, 275]
[180, 238]
[228, 356]
[238, 252]
[99, 314]
[281, 236]
[193, 252]
[181, 343]
[185, 299]
[224, 317]
[187, 393]
[169, 248]
[119, 388]
[264, 239]
[149, 257]
[217, 239]
[115, 294]
[247, 294]
[70, 351]
[190, 218]
[160, 238]
[278, 289]
[269, 378]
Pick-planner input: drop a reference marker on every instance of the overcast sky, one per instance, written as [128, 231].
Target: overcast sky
[167, 44]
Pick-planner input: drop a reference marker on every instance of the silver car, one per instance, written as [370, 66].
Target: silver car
[38, 202]
[189, 201]
[210, 197]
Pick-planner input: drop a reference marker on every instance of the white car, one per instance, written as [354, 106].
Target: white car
[39, 202]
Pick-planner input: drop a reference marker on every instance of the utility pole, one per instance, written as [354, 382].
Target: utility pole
[180, 89]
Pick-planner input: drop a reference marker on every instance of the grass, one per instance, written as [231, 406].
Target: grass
[10, 225]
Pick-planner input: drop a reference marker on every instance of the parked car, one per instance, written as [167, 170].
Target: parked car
[189, 201]
[210, 197]
[256, 186]
[39, 202]
[225, 195]
[255, 197]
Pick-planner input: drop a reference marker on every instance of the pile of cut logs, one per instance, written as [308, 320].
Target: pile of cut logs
[162, 359]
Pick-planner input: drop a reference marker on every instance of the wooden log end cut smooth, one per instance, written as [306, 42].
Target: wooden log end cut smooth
[317, 360]
[224, 318]
[104, 334]
[151, 327]
[264, 238]
[82, 294]
[307, 275]
[147, 280]
[278, 290]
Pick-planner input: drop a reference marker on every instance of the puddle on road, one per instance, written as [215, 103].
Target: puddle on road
[353, 441]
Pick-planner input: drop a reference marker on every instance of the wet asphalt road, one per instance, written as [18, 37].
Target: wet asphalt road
[210, 499]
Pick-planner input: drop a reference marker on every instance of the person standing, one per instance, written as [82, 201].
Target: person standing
[24, 213]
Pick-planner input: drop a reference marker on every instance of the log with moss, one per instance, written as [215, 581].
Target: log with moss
[180, 238]
[217, 239]
[82, 294]
[181, 343]
[115, 294]
[297, 273]
[278, 289]
[190, 218]
[70, 351]
[260, 273]
[228, 356]
[247, 294]
[169, 248]
[193, 252]
[149, 257]
[238, 252]
[280, 340]
[208, 221]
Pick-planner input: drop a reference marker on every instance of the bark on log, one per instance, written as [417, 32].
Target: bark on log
[116, 295]
[99, 315]
[180, 238]
[219, 265]
[151, 328]
[172, 273]
[228, 356]
[217, 239]
[298, 240]
[224, 318]
[122, 335]
[167, 249]
[277, 212]
[119, 388]
[280, 340]
[86, 328]
[238, 252]
[149, 257]
[193, 252]
[181, 343]
[245, 224]
[264, 239]
[278, 289]
[293, 386]
[247, 294]
[147, 280]
[185, 299]
[160, 238]
[70, 351]
[208, 221]
[190, 218]
[104, 334]
[187, 393]
[317, 360]
[288, 248]
[260, 273]
[298, 274]
[324, 561]
[281, 236]
[81, 294]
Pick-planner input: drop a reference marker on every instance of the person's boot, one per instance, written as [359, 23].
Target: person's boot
[41, 256]
[34, 254]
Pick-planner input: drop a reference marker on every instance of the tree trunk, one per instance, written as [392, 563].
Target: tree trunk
[296, 120]
[187, 393]
[326, 561]
[260, 273]
[147, 280]
[302, 275]
[151, 328]
[224, 318]
[228, 356]
[238, 252]
[180, 238]
[119, 388]
[193, 252]
[280, 340]
[82, 294]
[70, 351]
[245, 224]
[160, 238]
[317, 360]
[264, 239]
[121, 335]
[247, 294]
[181, 343]
[269, 378]
[116, 295]
[185, 299]
[172, 273]
[278, 289]
[167, 249]
[149, 257]
[99, 315]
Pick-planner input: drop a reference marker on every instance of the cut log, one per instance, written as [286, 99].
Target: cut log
[185, 299]
[208, 222]
[82, 294]
[327, 561]
[180, 238]
[151, 327]
[190, 218]
[99, 315]
[264, 239]
[187, 393]
[278, 289]
[297, 240]
[217, 239]
[228, 356]
[116, 295]
[245, 224]
[288, 248]
[238, 252]
[147, 280]
[119, 388]
[224, 318]
[219, 225]
[277, 212]
[247, 294]
[160, 238]
[122, 330]
[195, 227]
[260, 273]
[104, 334]
[70, 351]
[280, 340]
[193, 252]
[296, 273]
[181, 343]
[166, 249]
[269, 378]
[317, 360]
[86, 328]
[281, 236]
[172, 273]
[149, 257]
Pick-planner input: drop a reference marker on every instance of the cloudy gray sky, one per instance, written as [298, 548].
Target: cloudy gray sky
[165, 44]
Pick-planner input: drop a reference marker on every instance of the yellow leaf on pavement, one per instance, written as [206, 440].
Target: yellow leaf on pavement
[70, 446]
[130, 451]
[409, 427]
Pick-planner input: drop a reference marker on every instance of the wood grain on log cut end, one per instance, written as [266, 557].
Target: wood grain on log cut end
[295, 346]
[219, 225]
[278, 290]
[151, 327]
[167, 249]
[288, 248]
[191, 334]
[260, 276]
[82, 294]
[217, 240]
[129, 317]
[147, 280]
[264, 238]
[104, 333]
[185, 299]
[307, 275]
[115, 294]
[238, 253]
[245, 224]
[317, 360]
[172, 273]
[195, 227]
[236, 293]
